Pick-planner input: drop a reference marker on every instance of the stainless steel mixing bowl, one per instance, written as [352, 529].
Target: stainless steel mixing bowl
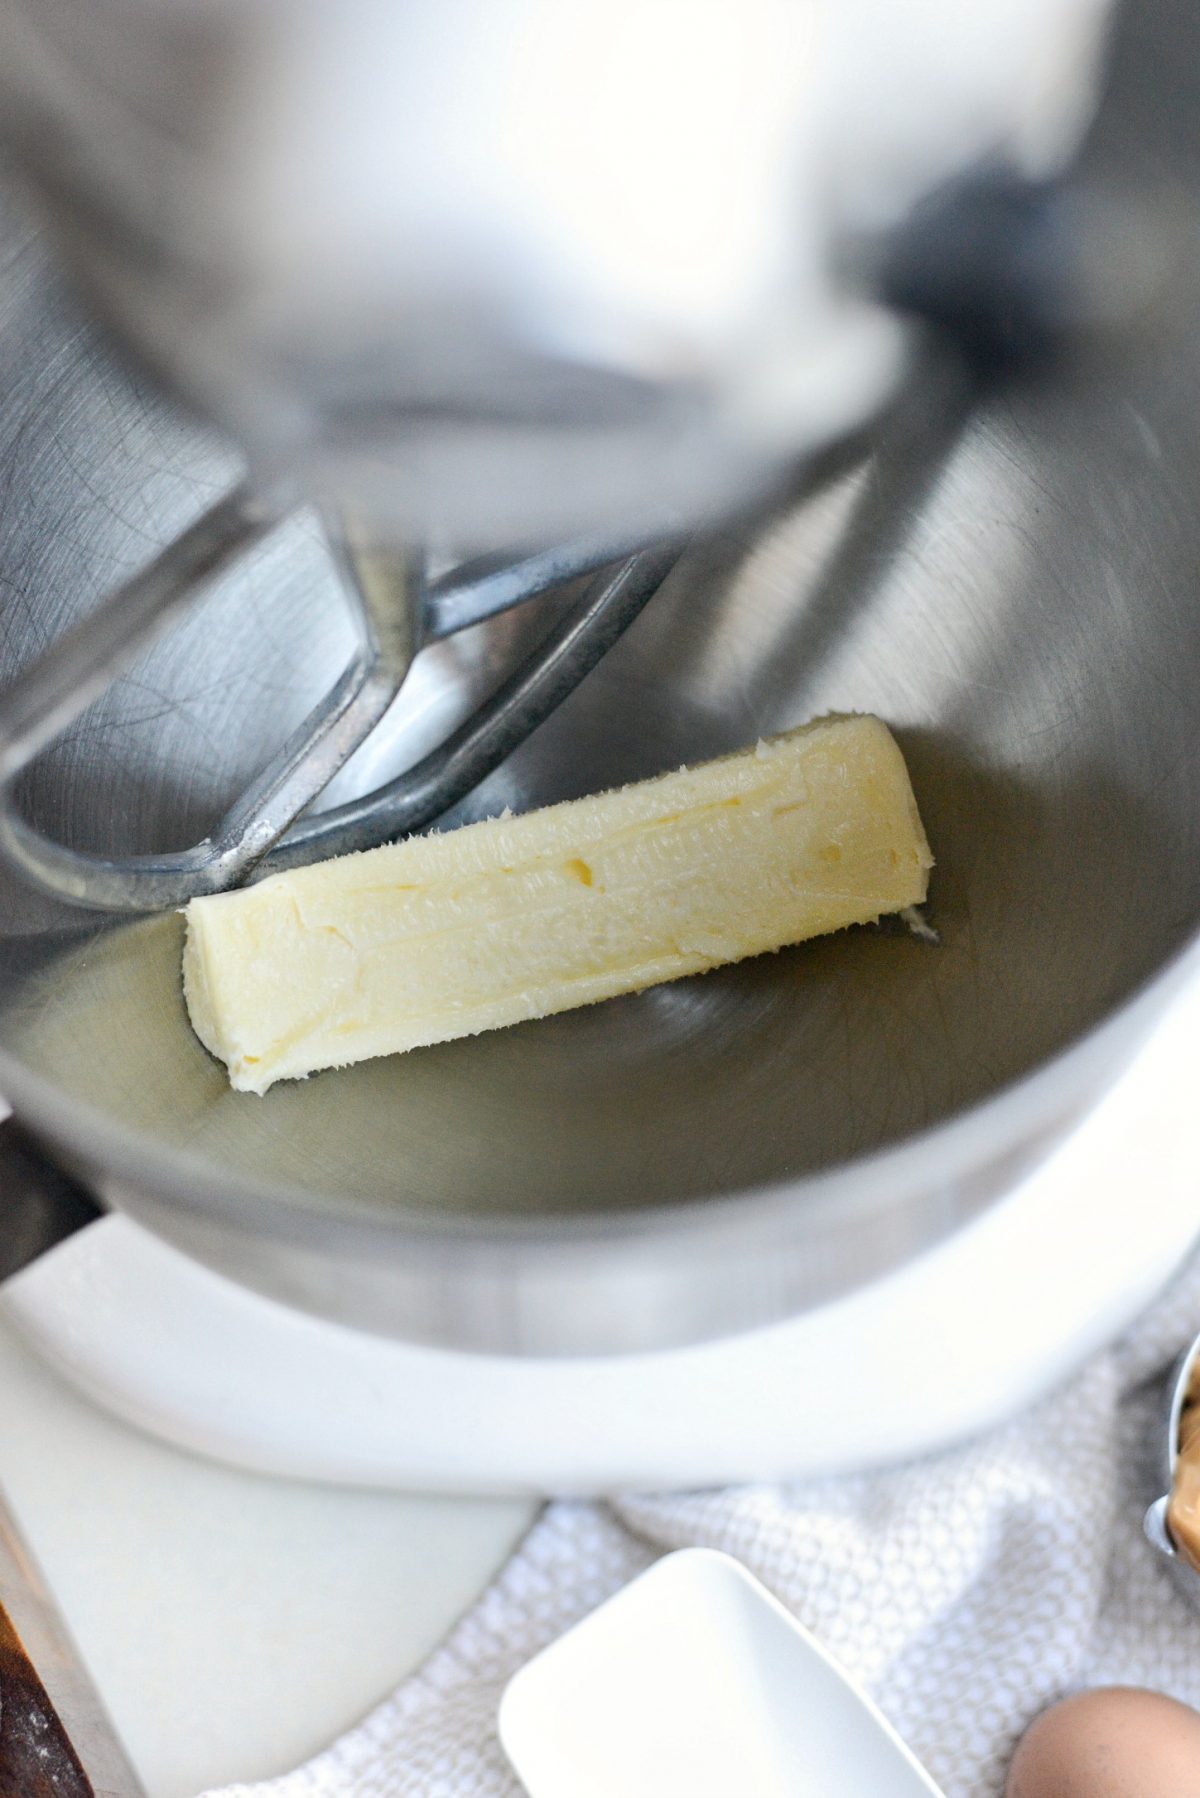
[1015, 591]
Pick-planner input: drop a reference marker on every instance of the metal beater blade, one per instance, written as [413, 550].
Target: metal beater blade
[398, 611]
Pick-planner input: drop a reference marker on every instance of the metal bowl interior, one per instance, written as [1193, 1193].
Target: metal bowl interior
[1015, 594]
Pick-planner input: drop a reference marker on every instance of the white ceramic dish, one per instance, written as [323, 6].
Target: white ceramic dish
[693, 1682]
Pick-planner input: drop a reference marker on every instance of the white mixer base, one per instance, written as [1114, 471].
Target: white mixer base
[944, 1347]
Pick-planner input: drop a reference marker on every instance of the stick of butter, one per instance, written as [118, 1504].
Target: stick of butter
[516, 917]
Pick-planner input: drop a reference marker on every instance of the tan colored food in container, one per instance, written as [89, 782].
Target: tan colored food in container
[1183, 1512]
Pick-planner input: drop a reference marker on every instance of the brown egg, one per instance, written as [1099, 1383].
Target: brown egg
[1116, 1742]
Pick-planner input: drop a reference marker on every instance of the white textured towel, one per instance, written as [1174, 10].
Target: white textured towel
[966, 1590]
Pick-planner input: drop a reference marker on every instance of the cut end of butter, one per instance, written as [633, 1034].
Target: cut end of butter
[517, 917]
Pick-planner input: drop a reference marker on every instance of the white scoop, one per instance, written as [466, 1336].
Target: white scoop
[693, 1682]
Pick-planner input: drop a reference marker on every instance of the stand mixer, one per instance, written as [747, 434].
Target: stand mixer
[672, 300]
